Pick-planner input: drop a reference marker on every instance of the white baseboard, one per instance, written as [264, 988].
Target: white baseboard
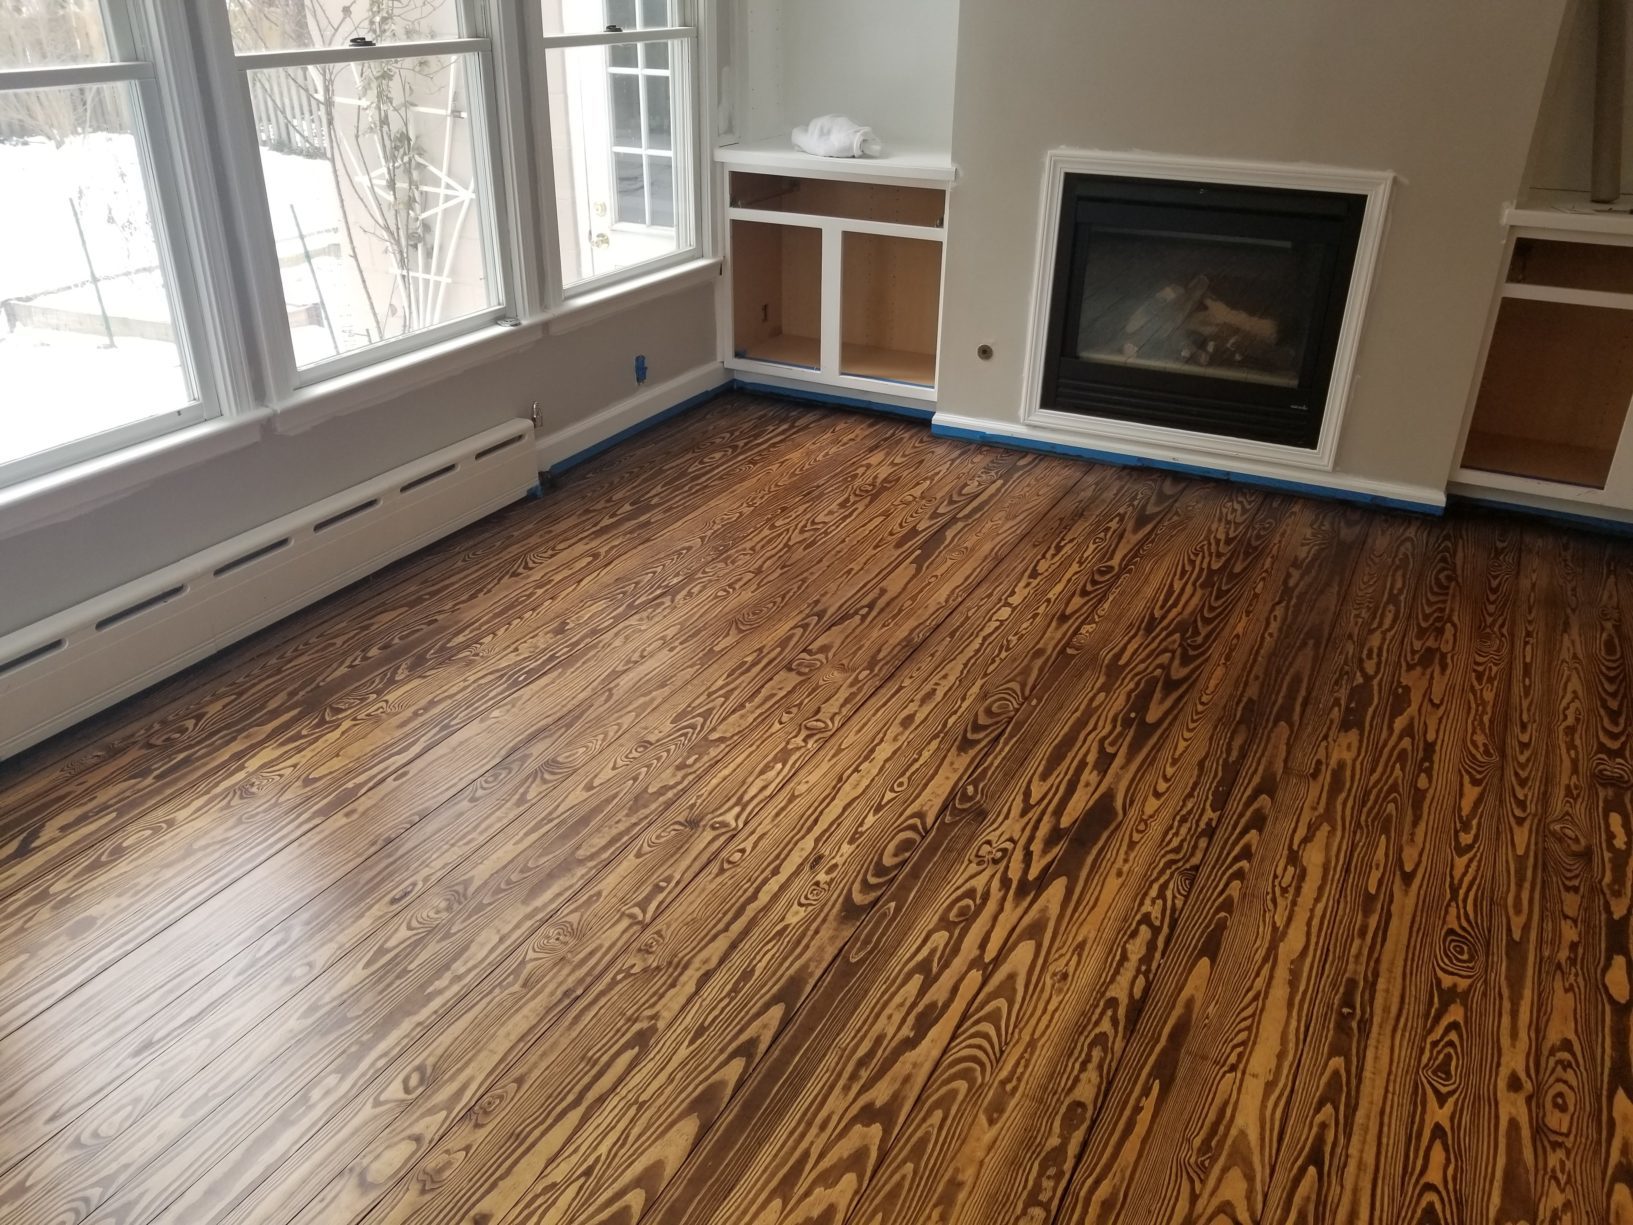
[577, 442]
[62, 669]
[1422, 498]
[1585, 511]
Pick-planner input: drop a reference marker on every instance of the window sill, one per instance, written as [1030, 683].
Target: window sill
[77, 488]
[593, 307]
[56, 496]
[386, 380]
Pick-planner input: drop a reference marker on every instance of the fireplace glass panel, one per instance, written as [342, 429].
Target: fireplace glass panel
[1220, 307]
[1210, 308]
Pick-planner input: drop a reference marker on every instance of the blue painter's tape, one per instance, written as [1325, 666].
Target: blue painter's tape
[819, 397]
[703, 397]
[1590, 523]
[1221, 474]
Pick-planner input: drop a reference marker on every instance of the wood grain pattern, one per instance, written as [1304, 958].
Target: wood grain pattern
[794, 817]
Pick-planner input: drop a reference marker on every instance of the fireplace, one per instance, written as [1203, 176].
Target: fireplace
[1205, 307]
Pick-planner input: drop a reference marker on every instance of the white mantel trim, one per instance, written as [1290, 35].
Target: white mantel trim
[1375, 185]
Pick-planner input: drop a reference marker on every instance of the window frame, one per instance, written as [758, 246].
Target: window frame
[689, 153]
[490, 89]
[190, 108]
[143, 59]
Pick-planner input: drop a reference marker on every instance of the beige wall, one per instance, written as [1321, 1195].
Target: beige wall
[1562, 158]
[1444, 93]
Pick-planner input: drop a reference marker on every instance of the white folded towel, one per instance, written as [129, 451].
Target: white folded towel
[836, 136]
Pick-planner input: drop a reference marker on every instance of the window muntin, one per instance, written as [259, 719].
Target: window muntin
[94, 340]
[378, 221]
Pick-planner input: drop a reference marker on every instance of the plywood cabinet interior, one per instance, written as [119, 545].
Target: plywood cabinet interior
[891, 308]
[837, 282]
[777, 293]
[1553, 399]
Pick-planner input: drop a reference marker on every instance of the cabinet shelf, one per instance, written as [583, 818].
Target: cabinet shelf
[901, 164]
[888, 365]
[786, 349]
[1564, 463]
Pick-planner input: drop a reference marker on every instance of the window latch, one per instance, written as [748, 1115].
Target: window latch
[614, 30]
[360, 41]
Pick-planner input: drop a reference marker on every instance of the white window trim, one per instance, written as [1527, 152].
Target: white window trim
[150, 57]
[285, 383]
[185, 95]
[609, 300]
[691, 116]
[75, 488]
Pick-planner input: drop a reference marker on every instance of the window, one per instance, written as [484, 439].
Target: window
[620, 75]
[376, 222]
[95, 346]
[214, 206]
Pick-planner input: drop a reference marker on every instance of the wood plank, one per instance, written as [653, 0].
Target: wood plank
[714, 1042]
[813, 877]
[414, 965]
[1561, 375]
[1565, 461]
[861, 1051]
[1612, 764]
[1356, 850]
[892, 365]
[786, 349]
[316, 670]
[1046, 1035]
[873, 828]
[879, 626]
[150, 981]
[340, 753]
[1570, 997]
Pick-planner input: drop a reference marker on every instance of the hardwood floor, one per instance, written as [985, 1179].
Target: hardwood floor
[794, 817]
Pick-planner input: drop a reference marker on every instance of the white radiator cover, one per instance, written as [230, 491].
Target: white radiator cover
[61, 670]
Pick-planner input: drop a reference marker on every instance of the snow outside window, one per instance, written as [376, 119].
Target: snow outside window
[94, 344]
[375, 154]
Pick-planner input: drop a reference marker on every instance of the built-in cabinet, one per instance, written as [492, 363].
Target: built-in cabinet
[835, 264]
[1549, 418]
[836, 282]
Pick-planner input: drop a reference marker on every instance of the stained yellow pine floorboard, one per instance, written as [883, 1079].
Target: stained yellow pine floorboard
[795, 817]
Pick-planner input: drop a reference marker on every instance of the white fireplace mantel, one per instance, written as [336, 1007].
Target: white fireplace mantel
[1188, 446]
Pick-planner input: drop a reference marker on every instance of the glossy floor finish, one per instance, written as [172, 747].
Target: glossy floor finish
[796, 817]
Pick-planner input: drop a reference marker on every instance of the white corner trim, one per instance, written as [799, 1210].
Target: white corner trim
[1375, 185]
[56, 496]
[1207, 462]
[386, 380]
[575, 439]
[582, 311]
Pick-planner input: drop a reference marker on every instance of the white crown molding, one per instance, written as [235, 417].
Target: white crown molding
[1375, 185]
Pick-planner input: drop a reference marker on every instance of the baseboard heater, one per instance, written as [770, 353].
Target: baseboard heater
[71, 665]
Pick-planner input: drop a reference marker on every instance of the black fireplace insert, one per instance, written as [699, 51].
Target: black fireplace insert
[1200, 307]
